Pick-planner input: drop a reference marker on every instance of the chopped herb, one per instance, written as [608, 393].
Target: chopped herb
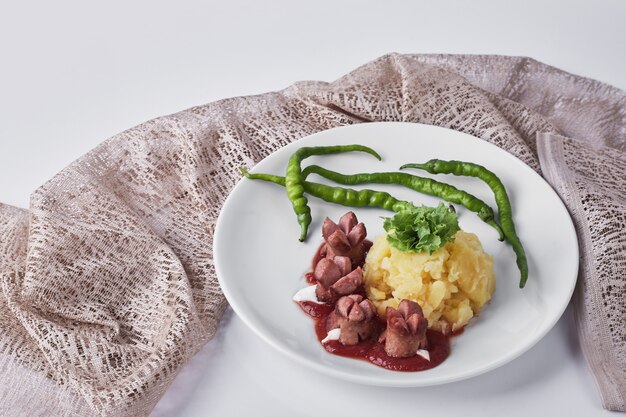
[418, 229]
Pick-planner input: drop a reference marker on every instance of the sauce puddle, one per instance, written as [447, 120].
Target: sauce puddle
[374, 351]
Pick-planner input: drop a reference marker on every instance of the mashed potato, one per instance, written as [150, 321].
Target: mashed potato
[451, 285]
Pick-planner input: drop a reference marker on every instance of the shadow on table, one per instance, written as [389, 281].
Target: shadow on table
[192, 377]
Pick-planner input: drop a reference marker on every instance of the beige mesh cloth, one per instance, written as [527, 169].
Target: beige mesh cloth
[108, 284]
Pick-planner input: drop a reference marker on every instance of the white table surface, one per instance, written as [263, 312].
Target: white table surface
[73, 73]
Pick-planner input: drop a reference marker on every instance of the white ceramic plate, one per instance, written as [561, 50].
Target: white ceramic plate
[260, 263]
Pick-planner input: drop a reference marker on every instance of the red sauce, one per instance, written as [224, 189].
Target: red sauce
[373, 351]
[319, 254]
[317, 310]
[439, 349]
[458, 332]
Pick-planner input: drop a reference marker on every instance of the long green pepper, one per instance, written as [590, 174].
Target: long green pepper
[460, 168]
[420, 184]
[339, 195]
[294, 181]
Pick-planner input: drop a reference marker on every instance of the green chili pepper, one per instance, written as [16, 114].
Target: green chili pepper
[294, 182]
[339, 195]
[436, 166]
[423, 185]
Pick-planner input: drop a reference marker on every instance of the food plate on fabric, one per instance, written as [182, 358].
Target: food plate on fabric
[261, 264]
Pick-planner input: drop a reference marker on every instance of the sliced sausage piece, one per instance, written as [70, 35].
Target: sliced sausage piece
[347, 222]
[344, 263]
[327, 272]
[341, 254]
[344, 305]
[352, 316]
[357, 234]
[406, 330]
[368, 308]
[339, 243]
[328, 228]
[349, 283]
[407, 308]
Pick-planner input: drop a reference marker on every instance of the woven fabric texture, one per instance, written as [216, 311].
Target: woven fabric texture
[108, 284]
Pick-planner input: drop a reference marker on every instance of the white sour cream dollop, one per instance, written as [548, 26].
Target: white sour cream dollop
[332, 335]
[306, 294]
[424, 354]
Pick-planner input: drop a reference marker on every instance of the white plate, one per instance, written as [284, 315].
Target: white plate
[260, 263]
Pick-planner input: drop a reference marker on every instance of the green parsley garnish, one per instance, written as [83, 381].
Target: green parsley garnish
[419, 229]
